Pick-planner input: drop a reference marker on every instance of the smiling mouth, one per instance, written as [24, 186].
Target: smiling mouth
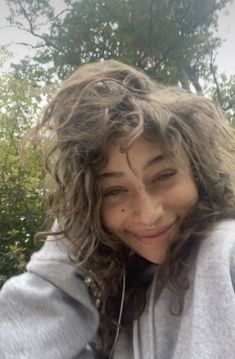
[151, 237]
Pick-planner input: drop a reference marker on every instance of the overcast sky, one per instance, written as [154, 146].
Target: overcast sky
[225, 57]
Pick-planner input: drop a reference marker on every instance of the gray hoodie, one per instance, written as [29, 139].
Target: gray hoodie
[47, 312]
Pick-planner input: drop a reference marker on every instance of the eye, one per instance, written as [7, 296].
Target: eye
[164, 175]
[114, 192]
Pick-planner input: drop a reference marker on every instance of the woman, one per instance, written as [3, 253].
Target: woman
[141, 260]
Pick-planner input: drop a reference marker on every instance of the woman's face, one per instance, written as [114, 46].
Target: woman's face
[144, 208]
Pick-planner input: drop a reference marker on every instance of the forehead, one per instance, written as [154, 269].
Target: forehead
[142, 154]
[139, 153]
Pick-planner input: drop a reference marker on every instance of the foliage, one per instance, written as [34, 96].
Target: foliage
[223, 93]
[21, 209]
[220, 87]
[171, 40]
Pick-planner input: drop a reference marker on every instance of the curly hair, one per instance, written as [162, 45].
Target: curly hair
[97, 104]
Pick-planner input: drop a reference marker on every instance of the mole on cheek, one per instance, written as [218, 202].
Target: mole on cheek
[122, 210]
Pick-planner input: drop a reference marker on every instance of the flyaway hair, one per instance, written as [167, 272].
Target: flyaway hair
[106, 101]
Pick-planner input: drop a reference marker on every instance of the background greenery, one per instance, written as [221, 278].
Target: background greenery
[172, 40]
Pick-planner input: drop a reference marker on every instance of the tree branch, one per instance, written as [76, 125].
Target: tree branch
[184, 80]
[215, 81]
[30, 45]
[194, 78]
[32, 31]
[62, 12]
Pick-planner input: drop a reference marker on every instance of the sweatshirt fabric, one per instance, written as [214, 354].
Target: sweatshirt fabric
[47, 311]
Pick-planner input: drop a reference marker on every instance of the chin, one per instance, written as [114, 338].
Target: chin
[155, 258]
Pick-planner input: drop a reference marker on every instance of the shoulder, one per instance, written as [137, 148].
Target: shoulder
[216, 252]
[49, 304]
[219, 242]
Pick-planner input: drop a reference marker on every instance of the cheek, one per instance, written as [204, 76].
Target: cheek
[186, 197]
[113, 218]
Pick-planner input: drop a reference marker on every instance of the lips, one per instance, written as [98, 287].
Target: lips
[153, 236]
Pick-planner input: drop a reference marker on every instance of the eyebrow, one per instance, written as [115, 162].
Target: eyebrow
[154, 160]
[109, 174]
[151, 162]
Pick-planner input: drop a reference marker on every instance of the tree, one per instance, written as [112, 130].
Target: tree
[21, 206]
[220, 87]
[170, 40]
[222, 91]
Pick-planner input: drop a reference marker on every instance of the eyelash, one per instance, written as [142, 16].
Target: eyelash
[164, 176]
[114, 192]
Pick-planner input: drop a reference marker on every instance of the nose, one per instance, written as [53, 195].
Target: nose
[147, 209]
